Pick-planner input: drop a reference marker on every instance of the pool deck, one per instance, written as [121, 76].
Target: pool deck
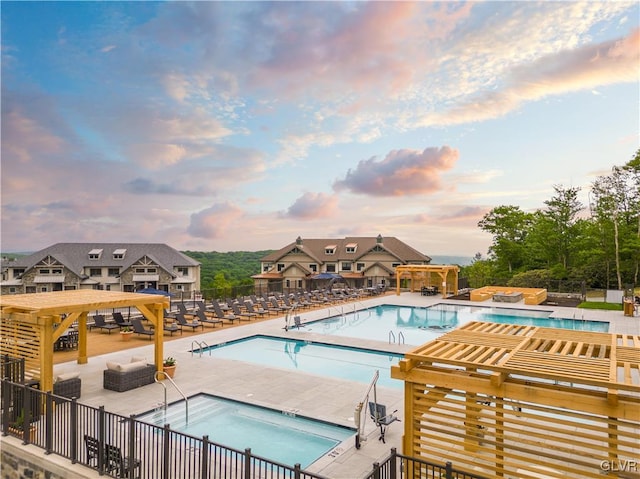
[328, 399]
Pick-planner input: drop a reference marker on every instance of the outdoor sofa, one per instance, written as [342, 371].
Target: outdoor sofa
[67, 385]
[127, 376]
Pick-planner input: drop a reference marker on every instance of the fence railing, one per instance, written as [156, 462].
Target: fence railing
[120, 446]
[398, 466]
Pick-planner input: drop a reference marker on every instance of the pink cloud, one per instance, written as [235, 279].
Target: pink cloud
[212, 222]
[402, 172]
[312, 206]
[585, 68]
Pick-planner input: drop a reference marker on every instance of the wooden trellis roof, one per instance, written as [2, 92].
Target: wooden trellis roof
[65, 302]
[27, 328]
[610, 361]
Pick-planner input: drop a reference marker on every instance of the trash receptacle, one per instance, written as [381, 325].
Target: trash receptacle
[628, 307]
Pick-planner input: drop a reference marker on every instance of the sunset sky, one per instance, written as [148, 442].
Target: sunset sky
[227, 126]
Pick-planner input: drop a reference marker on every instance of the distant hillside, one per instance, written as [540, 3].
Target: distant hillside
[237, 266]
[459, 260]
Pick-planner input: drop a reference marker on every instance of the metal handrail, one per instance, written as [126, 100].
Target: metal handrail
[201, 345]
[400, 336]
[392, 337]
[164, 404]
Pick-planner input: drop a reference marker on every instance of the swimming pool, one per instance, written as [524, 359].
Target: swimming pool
[276, 435]
[352, 364]
[419, 325]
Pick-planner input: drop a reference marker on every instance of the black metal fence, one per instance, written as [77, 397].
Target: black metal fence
[123, 447]
[120, 446]
[398, 466]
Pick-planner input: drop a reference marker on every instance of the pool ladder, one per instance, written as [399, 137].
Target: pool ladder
[392, 337]
[157, 379]
[201, 346]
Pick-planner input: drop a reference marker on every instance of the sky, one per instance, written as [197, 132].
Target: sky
[239, 126]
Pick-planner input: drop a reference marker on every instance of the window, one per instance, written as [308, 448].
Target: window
[152, 270]
[140, 270]
[44, 271]
[43, 289]
[12, 290]
[119, 253]
[114, 272]
[56, 271]
[395, 265]
[299, 284]
[95, 254]
[330, 249]
[266, 268]
[346, 266]
[179, 287]
[280, 267]
[287, 283]
[182, 271]
[313, 267]
[360, 266]
[95, 272]
[352, 247]
[18, 272]
[331, 268]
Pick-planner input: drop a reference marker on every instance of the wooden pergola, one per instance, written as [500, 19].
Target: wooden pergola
[444, 277]
[502, 400]
[32, 323]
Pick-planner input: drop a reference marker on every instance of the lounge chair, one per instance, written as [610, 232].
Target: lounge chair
[200, 313]
[379, 415]
[255, 310]
[101, 323]
[138, 328]
[288, 303]
[240, 315]
[182, 323]
[217, 311]
[275, 306]
[120, 321]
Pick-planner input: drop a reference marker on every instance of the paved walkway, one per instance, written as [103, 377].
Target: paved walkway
[314, 396]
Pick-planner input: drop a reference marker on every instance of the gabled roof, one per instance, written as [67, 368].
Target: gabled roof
[75, 256]
[378, 265]
[315, 248]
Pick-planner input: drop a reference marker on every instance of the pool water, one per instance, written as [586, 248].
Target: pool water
[275, 435]
[419, 325]
[352, 364]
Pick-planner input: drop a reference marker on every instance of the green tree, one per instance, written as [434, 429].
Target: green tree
[509, 226]
[615, 205]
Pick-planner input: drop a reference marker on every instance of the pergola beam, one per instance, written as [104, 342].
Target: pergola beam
[39, 311]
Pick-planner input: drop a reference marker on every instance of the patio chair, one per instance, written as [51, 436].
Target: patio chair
[380, 417]
[255, 310]
[92, 446]
[217, 311]
[120, 321]
[200, 313]
[138, 328]
[275, 306]
[240, 315]
[101, 323]
[115, 463]
[183, 323]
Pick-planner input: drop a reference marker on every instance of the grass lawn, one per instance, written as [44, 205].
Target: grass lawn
[600, 305]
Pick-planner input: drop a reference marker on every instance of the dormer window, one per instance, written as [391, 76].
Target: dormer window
[352, 247]
[330, 249]
[119, 253]
[95, 254]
